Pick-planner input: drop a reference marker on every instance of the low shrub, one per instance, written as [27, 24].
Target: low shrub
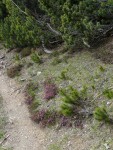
[65, 121]
[72, 101]
[44, 117]
[101, 114]
[35, 58]
[50, 89]
[14, 70]
[25, 52]
[28, 99]
[108, 93]
[30, 92]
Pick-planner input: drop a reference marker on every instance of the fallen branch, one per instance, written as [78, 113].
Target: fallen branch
[19, 7]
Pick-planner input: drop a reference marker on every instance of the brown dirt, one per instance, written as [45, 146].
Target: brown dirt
[23, 133]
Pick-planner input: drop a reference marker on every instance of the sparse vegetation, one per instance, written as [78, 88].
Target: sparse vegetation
[64, 75]
[30, 94]
[44, 117]
[34, 105]
[54, 147]
[56, 61]
[50, 89]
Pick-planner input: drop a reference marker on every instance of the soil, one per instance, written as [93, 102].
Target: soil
[23, 133]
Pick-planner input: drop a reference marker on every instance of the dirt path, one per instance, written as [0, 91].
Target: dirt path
[23, 133]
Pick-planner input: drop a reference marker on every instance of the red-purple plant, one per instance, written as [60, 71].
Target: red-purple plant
[65, 121]
[47, 118]
[50, 89]
[44, 117]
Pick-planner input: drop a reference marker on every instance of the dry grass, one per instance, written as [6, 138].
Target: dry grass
[14, 70]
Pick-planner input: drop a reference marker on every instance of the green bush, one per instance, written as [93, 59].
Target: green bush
[19, 30]
[80, 22]
[72, 99]
[35, 58]
[72, 22]
[101, 114]
[108, 93]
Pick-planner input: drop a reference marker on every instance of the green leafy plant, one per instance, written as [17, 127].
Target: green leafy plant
[35, 58]
[17, 57]
[108, 93]
[102, 69]
[101, 114]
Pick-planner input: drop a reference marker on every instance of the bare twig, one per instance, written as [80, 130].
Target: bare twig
[18, 7]
[52, 42]
[5, 138]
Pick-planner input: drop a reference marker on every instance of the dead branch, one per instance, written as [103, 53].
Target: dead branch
[18, 7]
[44, 48]
[53, 30]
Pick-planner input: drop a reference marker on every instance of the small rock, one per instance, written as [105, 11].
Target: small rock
[20, 104]
[106, 146]
[69, 143]
[108, 103]
[38, 73]
[51, 141]
[22, 79]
